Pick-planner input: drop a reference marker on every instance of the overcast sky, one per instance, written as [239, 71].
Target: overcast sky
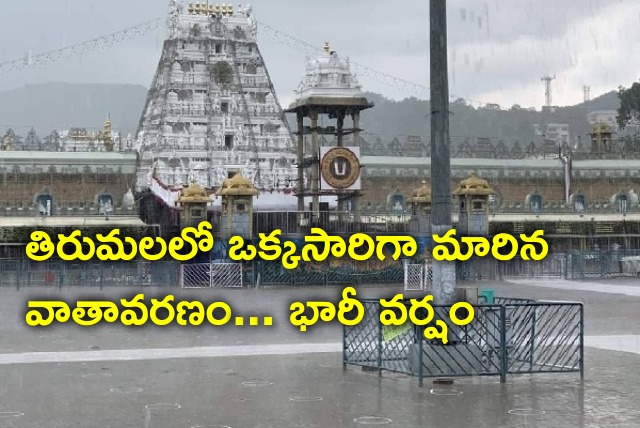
[499, 49]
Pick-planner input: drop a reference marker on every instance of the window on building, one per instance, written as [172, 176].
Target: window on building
[536, 203]
[228, 141]
[196, 212]
[622, 204]
[224, 107]
[218, 48]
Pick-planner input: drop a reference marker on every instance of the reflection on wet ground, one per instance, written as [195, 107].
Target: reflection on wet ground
[302, 387]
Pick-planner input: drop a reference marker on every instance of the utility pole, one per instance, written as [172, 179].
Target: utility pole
[547, 89]
[587, 93]
[444, 273]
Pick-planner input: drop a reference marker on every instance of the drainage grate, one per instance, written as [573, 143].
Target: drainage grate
[305, 399]
[11, 414]
[126, 390]
[372, 420]
[162, 406]
[95, 375]
[257, 383]
[211, 426]
[450, 392]
[526, 412]
[219, 371]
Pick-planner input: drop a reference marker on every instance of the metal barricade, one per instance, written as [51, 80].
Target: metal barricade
[514, 338]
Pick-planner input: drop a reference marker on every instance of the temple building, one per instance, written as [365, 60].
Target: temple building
[212, 114]
[212, 110]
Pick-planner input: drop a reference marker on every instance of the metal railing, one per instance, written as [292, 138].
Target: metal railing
[348, 273]
[390, 222]
[516, 338]
[64, 210]
[58, 273]
[16, 270]
[211, 275]
[573, 265]
[583, 265]
[291, 222]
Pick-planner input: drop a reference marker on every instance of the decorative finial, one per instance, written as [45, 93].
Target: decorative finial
[327, 47]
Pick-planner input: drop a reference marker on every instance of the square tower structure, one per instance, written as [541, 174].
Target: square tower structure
[328, 88]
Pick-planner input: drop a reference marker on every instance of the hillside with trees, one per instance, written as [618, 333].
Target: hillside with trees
[58, 106]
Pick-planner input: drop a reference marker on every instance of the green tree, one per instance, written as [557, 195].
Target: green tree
[629, 105]
[32, 142]
[52, 141]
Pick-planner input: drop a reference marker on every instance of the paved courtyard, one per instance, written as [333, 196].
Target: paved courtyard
[109, 376]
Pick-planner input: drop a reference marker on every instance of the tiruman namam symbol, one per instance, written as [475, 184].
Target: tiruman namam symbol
[340, 168]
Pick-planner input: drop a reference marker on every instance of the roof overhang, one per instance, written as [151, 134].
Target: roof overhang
[329, 105]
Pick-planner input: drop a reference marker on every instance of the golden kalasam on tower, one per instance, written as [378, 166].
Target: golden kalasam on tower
[474, 186]
[237, 186]
[421, 194]
[105, 136]
[194, 194]
[210, 9]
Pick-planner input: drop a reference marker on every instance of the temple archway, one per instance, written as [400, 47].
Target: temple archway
[534, 202]
[43, 202]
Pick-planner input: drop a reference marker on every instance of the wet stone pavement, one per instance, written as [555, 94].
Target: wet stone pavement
[118, 377]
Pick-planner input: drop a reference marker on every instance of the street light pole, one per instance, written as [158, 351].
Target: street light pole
[444, 273]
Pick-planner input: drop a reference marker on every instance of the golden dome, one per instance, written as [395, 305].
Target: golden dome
[474, 186]
[422, 194]
[194, 194]
[238, 186]
[601, 128]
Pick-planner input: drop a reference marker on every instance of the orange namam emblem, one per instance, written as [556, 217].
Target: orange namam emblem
[340, 168]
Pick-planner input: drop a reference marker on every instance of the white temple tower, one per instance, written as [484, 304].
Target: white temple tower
[212, 110]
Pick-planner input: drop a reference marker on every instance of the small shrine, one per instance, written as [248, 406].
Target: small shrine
[620, 202]
[396, 202]
[578, 201]
[601, 138]
[534, 202]
[193, 200]
[420, 200]
[473, 196]
[237, 207]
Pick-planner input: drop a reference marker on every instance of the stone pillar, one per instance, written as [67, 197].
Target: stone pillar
[301, 189]
[315, 177]
[444, 273]
[340, 134]
[340, 127]
[355, 116]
